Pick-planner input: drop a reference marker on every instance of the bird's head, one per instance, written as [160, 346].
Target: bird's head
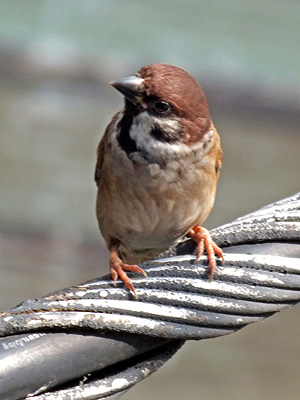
[165, 111]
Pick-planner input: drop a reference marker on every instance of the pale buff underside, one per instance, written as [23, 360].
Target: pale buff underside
[148, 207]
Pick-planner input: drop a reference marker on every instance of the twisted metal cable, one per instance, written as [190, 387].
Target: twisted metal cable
[176, 301]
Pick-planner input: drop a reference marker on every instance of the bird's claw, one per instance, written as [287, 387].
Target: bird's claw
[204, 241]
[118, 268]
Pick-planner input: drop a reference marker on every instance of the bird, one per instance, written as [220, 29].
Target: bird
[157, 168]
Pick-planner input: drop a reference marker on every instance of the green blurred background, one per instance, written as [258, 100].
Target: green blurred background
[56, 58]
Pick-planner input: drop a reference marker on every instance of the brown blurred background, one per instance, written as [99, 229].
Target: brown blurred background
[56, 58]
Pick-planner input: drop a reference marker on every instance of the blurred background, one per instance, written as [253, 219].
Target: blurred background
[56, 58]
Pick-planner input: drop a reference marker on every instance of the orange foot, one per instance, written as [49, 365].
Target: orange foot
[203, 239]
[118, 267]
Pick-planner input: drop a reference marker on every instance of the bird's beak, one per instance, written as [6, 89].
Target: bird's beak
[130, 87]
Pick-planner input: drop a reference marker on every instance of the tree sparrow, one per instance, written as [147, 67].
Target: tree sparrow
[157, 169]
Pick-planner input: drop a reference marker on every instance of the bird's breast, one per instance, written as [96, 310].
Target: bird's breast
[147, 207]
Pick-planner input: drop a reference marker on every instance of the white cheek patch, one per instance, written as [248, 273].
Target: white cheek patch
[141, 129]
[140, 132]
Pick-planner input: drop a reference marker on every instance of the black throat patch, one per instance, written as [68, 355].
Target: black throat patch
[125, 142]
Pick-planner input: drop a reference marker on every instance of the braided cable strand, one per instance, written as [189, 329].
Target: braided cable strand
[176, 302]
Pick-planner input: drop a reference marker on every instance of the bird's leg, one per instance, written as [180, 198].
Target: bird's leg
[118, 268]
[204, 241]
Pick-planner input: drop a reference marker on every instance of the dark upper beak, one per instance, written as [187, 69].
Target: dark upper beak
[130, 87]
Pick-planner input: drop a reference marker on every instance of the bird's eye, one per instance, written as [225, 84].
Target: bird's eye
[161, 107]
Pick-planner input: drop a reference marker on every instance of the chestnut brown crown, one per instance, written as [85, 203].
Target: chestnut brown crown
[175, 86]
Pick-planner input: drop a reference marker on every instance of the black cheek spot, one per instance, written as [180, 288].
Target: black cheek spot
[166, 136]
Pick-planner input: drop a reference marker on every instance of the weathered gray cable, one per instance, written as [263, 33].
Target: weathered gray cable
[176, 302]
